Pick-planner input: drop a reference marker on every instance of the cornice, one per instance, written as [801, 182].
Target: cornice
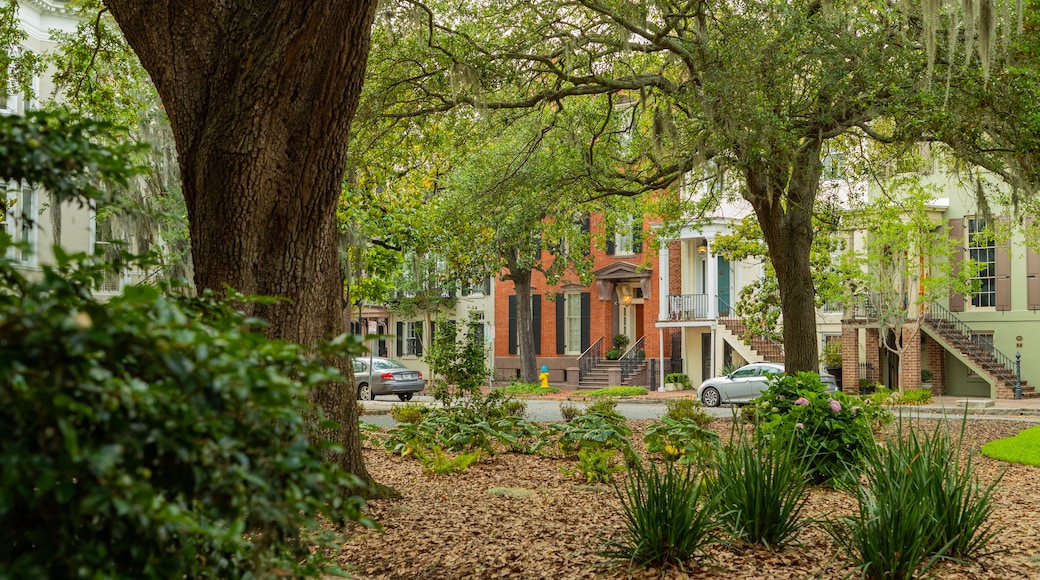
[48, 6]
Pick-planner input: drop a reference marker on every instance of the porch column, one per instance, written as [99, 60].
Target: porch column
[910, 369]
[711, 287]
[850, 360]
[663, 282]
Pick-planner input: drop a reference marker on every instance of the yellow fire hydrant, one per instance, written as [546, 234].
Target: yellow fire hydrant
[544, 377]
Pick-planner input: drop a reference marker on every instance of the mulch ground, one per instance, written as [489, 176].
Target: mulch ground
[517, 516]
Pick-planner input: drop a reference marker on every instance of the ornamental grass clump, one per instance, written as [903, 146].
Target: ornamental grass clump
[830, 431]
[918, 503]
[761, 487]
[668, 516]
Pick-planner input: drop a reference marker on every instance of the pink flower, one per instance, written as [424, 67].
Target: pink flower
[855, 409]
[835, 406]
[802, 401]
[799, 426]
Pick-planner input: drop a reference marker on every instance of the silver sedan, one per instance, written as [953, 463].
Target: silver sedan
[385, 376]
[747, 383]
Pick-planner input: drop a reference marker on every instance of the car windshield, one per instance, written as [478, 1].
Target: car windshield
[387, 364]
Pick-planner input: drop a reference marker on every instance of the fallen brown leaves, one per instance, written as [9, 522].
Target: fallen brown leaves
[517, 516]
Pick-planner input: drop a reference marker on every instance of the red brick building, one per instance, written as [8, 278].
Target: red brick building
[571, 320]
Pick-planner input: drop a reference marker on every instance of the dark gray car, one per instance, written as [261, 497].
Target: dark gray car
[747, 383]
[385, 376]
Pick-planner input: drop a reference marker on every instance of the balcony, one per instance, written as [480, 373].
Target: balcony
[685, 307]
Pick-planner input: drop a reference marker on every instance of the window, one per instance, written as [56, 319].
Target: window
[19, 208]
[982, 250]
[413, 344]
[623, 241]
[572, 323]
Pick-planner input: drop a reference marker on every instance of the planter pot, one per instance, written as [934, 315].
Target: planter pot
[673, 386]
[926, 386]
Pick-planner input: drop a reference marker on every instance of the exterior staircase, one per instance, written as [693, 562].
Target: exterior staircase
[975, 350]
[758, 349]
[598, 376]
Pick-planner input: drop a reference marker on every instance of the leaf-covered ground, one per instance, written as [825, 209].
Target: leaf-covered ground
[516, 516]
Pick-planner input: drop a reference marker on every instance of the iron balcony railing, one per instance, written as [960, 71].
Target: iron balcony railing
[590, 358]
[688, 306]
[630, 360]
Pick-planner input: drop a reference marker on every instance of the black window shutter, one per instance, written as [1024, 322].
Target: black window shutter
[586, 303]
[610, 242]
[536, 321]
[512, 324]
[561, 322]
[433, 331]
[487, 286]
[637, 236]
[400, 339]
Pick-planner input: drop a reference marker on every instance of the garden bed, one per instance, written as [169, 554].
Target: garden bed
[484, 523]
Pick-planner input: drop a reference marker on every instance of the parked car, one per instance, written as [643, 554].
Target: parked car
[747, 383]
[385, 376]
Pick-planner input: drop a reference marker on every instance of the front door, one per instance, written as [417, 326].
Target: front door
[724, 297]
[706, 357]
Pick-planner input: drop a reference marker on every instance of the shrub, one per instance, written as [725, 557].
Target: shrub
[439, 462]
[679, 409]
[913, 397]
[679, 378]
[459, 366]
[926, 375]
[620, 341]
[599, 465]
[832, 355]
[918, 502]
[409, 413]
[569, 411]
[617, 392]
[613, 354]
[728, 368]
[607, 408]
[155, 436]
[830, 430]
[668, 517]
[684, 440]
[761, 488]
[591, 431]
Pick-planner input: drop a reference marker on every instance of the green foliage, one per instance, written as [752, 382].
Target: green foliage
[599, 465]
[590, 431]
[679, 378]
[1023, 448]
[620, 341]
[761, 488]
[528, 389]
[459, 367]
[832, 355]
[685, 440]
[832, 431]
[927, 375]
[728, 368]
[156, 436]
[569, 411]
[913, 397]
[607, 408]
[613, 354]
[438, 461]
[668, 516]
[617, 392]
[409, 413]
[692, 409]
[919, 501]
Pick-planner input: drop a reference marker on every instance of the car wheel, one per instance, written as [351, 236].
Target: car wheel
[404, 396]
[710, 397]
[364, 392]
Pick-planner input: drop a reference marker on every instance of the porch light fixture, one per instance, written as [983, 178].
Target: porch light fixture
[702, 247]
[626, 296]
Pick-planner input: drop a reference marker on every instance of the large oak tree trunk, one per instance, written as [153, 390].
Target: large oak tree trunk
[521, 279]
[783, 202]
[260, 96]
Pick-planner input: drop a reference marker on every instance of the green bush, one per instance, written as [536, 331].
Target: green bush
[832, 431]
[155, 436]
[606, 408]
[570, 411]
[613, 354]
[913, 397]
[679, 378]
[409, 413]
[617, 392]
[692, 409]
[919, 501]
[590, 431]
[668, 517]
[685, 440]
[761, 488]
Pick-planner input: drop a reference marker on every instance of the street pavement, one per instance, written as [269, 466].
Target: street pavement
[546, 408]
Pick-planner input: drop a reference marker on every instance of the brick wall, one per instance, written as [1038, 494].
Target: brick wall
[910, 362]
[872, 344]
[934, 357]
[850, 360]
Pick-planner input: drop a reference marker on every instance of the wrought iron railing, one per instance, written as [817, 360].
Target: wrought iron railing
[590, 358]
[688, 306]
[971, 341]
[863, 307]
[631, 360]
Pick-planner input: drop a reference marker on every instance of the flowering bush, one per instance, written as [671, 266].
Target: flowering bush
[831, 431]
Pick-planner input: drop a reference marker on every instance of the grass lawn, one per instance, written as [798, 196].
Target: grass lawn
[528, 389]
[617, 392]
[1023, 448]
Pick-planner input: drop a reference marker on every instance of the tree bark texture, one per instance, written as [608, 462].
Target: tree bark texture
[783, 197]
[260, 96]
[521, 279]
